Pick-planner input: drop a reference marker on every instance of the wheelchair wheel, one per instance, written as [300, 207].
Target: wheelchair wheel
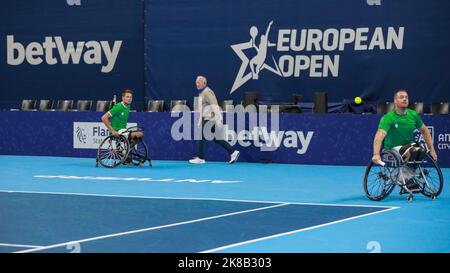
[433, 175]
[378, 182]
[113, 151]
[139, 153]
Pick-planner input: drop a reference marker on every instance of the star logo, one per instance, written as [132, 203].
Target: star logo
[258, 62]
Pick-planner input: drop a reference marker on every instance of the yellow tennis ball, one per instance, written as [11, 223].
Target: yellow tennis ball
[358, 100]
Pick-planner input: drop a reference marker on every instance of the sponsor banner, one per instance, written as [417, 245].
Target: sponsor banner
[333, 139]
[439, 135]
[89, 135]
[442, 140]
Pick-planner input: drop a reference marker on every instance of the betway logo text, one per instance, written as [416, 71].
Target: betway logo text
[90, 52]
[271, 141]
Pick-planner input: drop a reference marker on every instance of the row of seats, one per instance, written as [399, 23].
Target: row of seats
[65, 105]
[158, 106]
[440, 108]
[103, 105]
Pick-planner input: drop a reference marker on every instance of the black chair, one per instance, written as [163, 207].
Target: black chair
[155, 106]
[282, 108]
[250, 98]
[177, 105]
[384, 107]
[84, 105]
[45, 105]
[64, 105]
[28, 105]
[297, 98]
[440, 108]
[417, 106]
[103, 105]
[227, 105]
[320, 102]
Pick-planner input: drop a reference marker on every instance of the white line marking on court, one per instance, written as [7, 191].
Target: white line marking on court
[149, 229]
[193, 198]
[20, 246]
[294, 231]
[138, 179]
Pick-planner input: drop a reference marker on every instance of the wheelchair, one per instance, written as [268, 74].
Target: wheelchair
[420, 174]
[115, 151]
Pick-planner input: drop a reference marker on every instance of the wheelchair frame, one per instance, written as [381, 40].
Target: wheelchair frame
[396, 172]
[120, 149]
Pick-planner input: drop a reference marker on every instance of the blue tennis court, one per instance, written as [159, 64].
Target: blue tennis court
[57, 204]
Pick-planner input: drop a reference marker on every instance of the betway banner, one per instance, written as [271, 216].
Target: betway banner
[70, 49]
[366, 48]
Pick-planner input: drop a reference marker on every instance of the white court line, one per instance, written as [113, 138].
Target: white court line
[20, 246]
[147, 229]
[295, 231]
[192, 198]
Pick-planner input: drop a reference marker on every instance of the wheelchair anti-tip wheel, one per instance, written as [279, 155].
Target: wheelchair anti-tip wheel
[113, 151]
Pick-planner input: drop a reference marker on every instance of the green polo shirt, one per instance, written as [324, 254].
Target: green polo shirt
[119, 116]
[399, 128]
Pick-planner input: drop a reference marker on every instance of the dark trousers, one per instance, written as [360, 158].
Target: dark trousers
[201, 142]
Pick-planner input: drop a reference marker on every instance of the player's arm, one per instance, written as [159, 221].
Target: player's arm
[377, 142]
[105, 119]
[428, 140]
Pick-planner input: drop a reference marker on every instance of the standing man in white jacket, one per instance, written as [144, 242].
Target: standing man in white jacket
[209, 111]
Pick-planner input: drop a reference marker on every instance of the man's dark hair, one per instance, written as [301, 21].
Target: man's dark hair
[398, 91]
[127, 91]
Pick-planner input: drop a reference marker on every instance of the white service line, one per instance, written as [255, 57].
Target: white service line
[20, 246]
[294, 231]
[194, 198]
[148, 229]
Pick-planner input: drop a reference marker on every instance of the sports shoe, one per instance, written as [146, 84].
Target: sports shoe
[197, 160]
[234, 157]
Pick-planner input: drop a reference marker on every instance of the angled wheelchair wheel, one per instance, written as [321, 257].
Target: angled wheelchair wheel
[429, 177]
[113, 151]
[378, 180]
[139, 153]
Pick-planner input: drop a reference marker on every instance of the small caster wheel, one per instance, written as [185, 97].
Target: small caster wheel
[410, 198]
[141, 164]
[433, 197]
[150, 163]
[96, 164]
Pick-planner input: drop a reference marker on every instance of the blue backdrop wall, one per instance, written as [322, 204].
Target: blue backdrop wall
[79, 49]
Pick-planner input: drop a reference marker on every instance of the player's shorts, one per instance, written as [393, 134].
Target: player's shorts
[124, 132]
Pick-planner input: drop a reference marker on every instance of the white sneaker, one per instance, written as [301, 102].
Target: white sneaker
[234, 157]
[197, 160]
